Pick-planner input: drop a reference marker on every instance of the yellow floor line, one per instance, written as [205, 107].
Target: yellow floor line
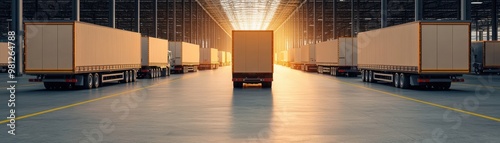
[425, 102]
[87, 101]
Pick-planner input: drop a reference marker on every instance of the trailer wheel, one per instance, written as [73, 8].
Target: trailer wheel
[370, 76]
[48, 85]
[131, 76]
[168, 71]
[404, 81]
[125, 77]
[443, 85]
[160, 72]
[69, 85]
[397, 81]
[267, 84]
[87, 81]
[363, 75]
[97, 80]
[238, 84]
[134, 75]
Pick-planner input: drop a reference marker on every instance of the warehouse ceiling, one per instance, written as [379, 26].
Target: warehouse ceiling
[250, 14]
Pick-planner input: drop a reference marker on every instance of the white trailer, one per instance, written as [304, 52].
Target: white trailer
[154, 58]
[68, 54]
[338, 57]
[253, 58]
[4, 62]
[428, 54]
[222, 58]
[291, 56]
[186, 57]
[485, 57]
[308, 57]
[208, 58]
[296, 63]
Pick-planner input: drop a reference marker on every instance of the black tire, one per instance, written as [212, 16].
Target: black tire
[168, 71]
[151, 75]
[48, 85]
[370, 77]
[404, 81]
[134, 75]
[363, 75]
[97, 80]
[444, 85]
[396, 80]
[69, 85]
[87, 81]
[238, 84]
[267, 84]
[125, 77]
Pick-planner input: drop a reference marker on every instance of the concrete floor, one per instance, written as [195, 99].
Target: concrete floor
[301, 107]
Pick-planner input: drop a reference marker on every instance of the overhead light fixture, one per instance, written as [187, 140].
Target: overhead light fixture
[250, 14]
[476, 2]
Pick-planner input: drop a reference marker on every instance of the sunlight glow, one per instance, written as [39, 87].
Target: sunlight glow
[250, 14]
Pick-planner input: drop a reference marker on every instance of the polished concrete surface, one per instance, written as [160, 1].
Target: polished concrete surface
[301, 107]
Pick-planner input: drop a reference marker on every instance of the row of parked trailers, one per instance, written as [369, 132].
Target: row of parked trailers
[77, 54]
[426, 54]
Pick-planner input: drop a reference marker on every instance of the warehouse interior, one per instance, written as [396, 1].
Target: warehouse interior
[303, 105]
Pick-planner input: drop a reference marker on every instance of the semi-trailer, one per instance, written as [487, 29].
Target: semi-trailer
[186, 57]
[208, 58]
[308, 57]
[282, 58]
[428, 54]
[291, 57]
[154, 58]
[338, 57]
[69, 54]
[485, 57]
[4, 61]
[222, 58]
[252, 57]
[296, 63]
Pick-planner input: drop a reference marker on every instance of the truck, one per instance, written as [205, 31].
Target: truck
[424, 54]
[222, 58]
[4, 61]
[208, 58]
[69, 54]
[154, 58]
[252, 57]
[485, 57]
[296, 63]
[308, 58]
[186, 57]
[338, 57]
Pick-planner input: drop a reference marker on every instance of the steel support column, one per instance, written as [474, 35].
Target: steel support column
[17, 27]
[383, 13]
[494, 20]
[465, 6]
[75, 13]
[334, 24]
[418, 10]
[352, 18]
[155, 18]
[137, 15]
[112, 14]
